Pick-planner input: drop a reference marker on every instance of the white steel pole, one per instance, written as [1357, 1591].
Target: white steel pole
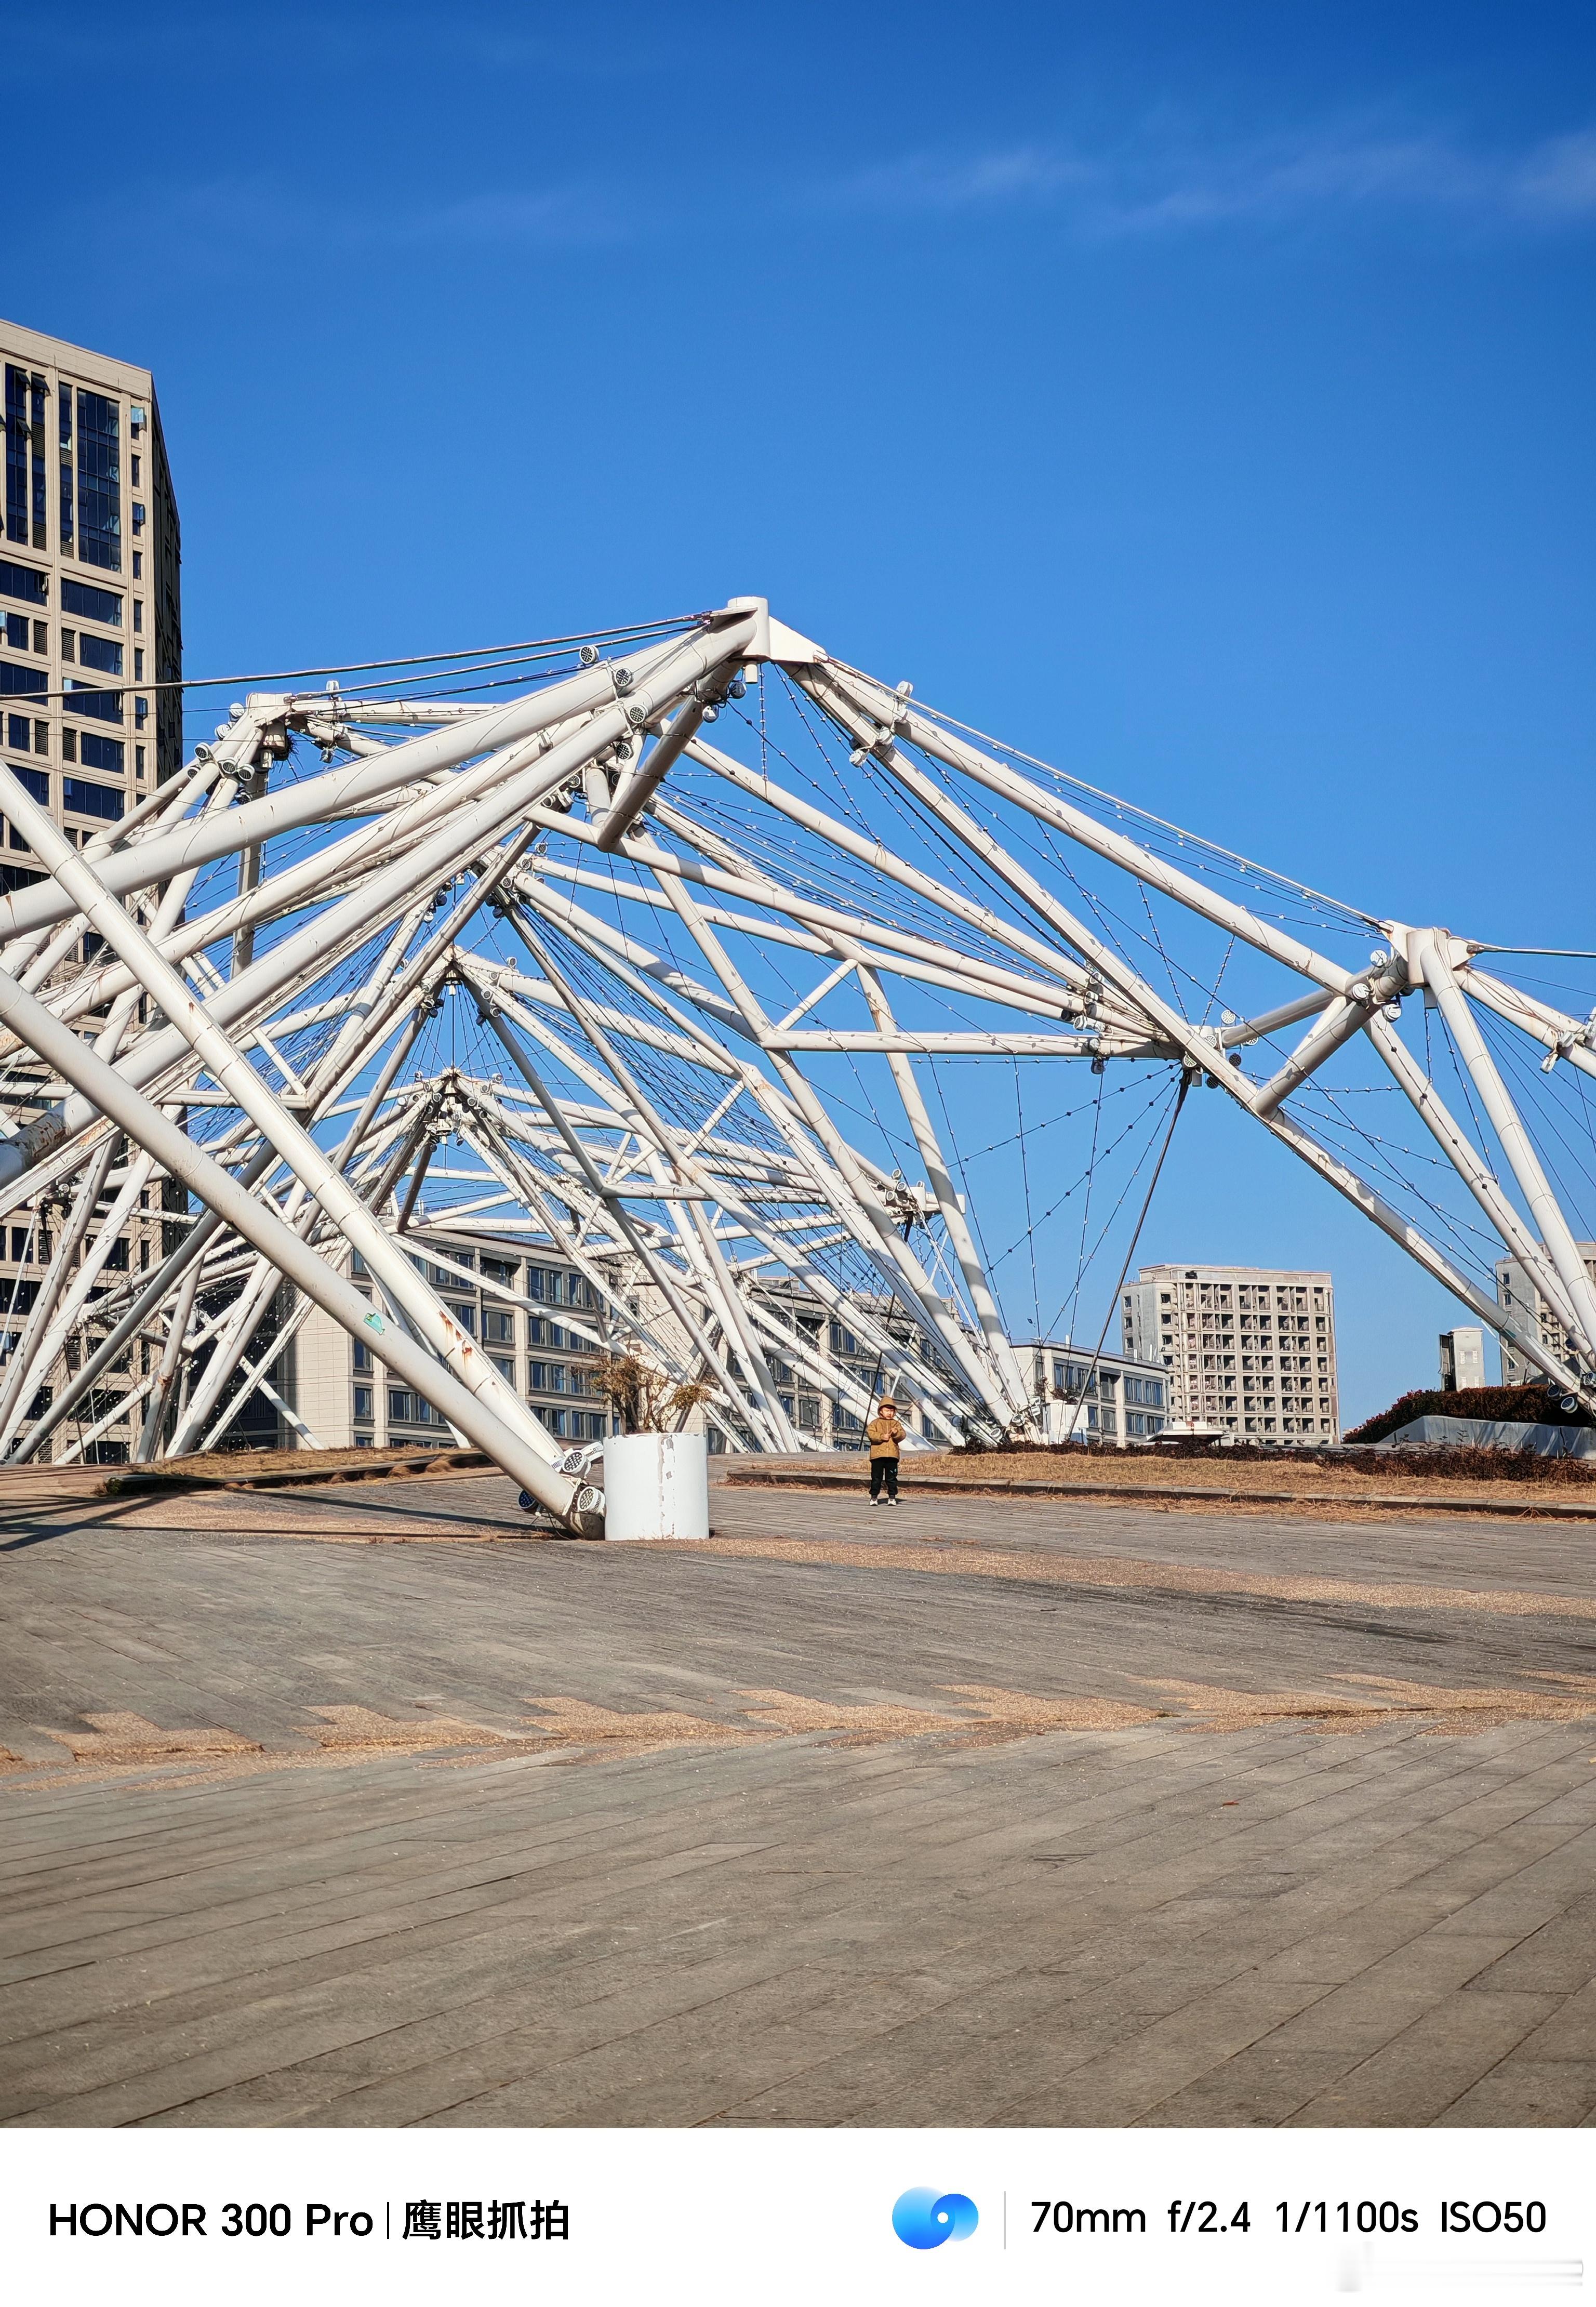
[1513, 1137]
[350, 791]
[999, 1343]
[1516, 1238]
[103, 1087]
[405, 1287]
[455, 843]
[866, 696]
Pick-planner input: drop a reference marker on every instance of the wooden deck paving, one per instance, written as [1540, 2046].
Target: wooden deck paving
[981, 1811]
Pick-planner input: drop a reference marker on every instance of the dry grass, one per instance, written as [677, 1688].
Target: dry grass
[1308, 1476]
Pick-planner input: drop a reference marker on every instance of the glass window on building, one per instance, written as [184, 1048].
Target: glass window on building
[91, 601]
[64, 438]
[100, 481]
[20, 584]
[104, 655]
[86, 798]
[102, 753]
[22, 680]
[84, 697]
[25, 457]
[498, 1325]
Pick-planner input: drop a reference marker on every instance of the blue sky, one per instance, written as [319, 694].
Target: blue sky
[1200, 397]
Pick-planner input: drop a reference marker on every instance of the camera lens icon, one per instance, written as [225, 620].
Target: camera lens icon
[922, 2218]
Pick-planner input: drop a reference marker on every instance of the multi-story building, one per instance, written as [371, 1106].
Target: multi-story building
[1462, 1359]
[1517, 1295]
[827, 1390]
[90, 622]
[1097, 1397]
[1247, 1349]
[518, 1301]
[1111, 1397]
[91, 587]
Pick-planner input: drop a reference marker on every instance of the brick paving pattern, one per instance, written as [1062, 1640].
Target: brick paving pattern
[973, 1811]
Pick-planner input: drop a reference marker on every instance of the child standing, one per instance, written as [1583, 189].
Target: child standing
[884, 1433]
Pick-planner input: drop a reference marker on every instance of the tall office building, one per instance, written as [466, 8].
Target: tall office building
[1517, 1295]
[1247, 1349]
[91, 593]
[90, 621]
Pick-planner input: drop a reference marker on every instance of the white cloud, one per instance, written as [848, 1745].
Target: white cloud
[919, 181]
[1558, 178]
[1161, 183]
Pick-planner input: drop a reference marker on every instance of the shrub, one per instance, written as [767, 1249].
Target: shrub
[1524, 1405]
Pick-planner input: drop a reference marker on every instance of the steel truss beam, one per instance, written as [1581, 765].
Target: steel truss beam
[229, 992]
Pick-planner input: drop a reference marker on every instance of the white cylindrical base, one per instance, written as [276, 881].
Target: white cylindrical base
[656, 1486]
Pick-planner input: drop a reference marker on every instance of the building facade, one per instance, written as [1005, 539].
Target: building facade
[1517, 1295]
[90, 621]
[827, 1386]
[91, 584]
[1462, 1359]
[1102, 1397]
[1247, 1348]
[542, 1322]
[547, 1330]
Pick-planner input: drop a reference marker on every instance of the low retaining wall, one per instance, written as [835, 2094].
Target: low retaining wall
[1496, 1434]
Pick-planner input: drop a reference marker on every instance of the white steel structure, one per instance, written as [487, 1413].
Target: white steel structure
[1525, 1303]
[532, 948]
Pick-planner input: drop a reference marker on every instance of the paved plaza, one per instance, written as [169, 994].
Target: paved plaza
[975, 1812]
